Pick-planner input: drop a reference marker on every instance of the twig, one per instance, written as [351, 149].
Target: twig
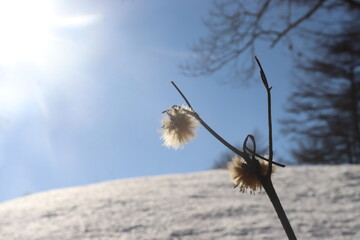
[217, 136]
[264, 158]
[297, 22]
[207, 127]
[266, 180]
[268, 91]
[183, 96]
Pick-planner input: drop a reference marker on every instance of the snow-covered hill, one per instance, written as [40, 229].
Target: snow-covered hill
[322, 202]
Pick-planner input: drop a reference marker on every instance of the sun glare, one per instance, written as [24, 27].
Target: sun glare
[25, 30]
[29, 43]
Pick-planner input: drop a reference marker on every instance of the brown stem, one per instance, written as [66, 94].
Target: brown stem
[183, 96]
[270, 190]
[268, 91]
[266, 180]
[217, 136]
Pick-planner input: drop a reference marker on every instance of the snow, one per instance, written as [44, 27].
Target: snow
[322, 202]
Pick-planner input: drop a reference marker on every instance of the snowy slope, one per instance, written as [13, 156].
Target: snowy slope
[322, 202]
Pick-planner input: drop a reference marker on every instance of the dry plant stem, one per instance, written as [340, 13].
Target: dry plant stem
[270, 190]
[266, 180]
[207, 127]
[268, 91]
[217, 136]
[262, 157]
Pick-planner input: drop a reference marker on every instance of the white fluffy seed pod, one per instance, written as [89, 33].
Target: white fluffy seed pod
[243, 177]
[178, 127]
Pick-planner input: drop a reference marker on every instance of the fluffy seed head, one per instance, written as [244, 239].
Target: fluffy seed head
[243, 177]
[178, 127]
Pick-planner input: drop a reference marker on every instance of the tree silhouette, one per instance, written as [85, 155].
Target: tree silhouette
[323, 37]
[236, 27]
[324, 109]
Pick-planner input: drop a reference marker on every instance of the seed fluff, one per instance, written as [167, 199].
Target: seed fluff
[243, 177]
[178, 126]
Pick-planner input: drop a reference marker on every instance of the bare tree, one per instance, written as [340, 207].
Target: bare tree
[325, 107]
[236, 27]
[323, 36]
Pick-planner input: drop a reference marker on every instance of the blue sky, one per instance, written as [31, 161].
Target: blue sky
[81, 96]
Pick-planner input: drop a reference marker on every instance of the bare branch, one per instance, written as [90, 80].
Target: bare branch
[268, 91]
[236, 27]
[298, 21]
[244, 155]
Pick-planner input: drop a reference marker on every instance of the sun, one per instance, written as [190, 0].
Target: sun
[25, 30]
[33, 44]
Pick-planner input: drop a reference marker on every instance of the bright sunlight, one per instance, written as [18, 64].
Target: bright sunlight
[28, 43]
[25, 30]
